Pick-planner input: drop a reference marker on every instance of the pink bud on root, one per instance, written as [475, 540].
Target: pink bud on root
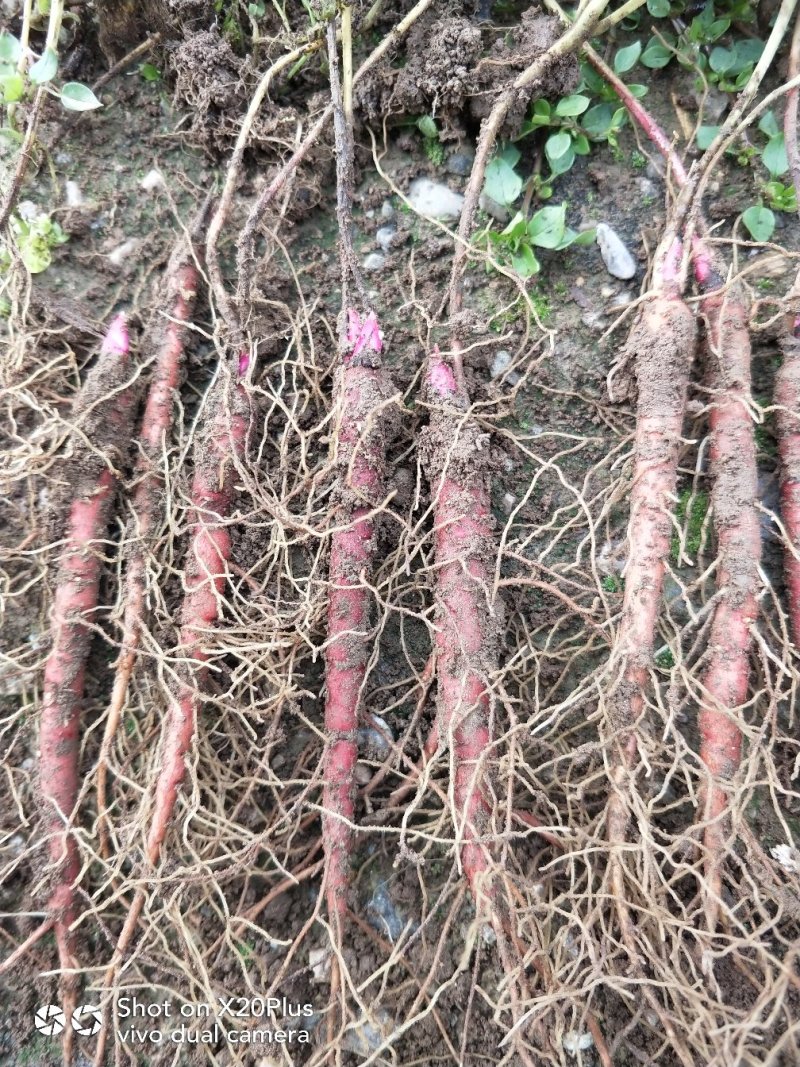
[441, 379]
[117, 341]
[701, 261]
[363, 333]
[244, 363]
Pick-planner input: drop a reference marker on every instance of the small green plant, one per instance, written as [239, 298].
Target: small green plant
[758, 219]
[149, 72]
[431, 142]
[610, 584]
[696, 47]
[691, 514]
[35, 236]
[664, 659]
[18, 79]
[547, 228]
[593, 114]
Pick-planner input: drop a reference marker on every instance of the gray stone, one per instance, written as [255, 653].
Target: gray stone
[460, 163]
[434, 199]
[374, 261]
[383, 238]
[618, 260]
[491, 207]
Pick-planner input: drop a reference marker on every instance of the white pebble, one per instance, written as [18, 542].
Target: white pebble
[491, 207]
[74, 194]
[387, 210]
[575, 1042]
[500, 364]
[374, 739]
[17, 844]
[502, 361]
[509, 503]
[319, 961]
[374, 261]
[618, 260]
[363, 774]
[434, 199]
[154, 179]
[123, 251]
[27, 210]
[383, 238]
[785, 855]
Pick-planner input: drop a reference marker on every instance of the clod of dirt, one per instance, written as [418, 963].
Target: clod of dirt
[125, 23]
[447, 69]
[440, 70]
[508, 58]
[208, 78]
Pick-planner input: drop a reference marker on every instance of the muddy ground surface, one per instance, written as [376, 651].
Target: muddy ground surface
[554, 395]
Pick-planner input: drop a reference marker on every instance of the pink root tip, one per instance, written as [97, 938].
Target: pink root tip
[701, 261]
[244, 363]
[796, 330]
[440, 377]
[117, 341]
[363, 333]
[671, 270]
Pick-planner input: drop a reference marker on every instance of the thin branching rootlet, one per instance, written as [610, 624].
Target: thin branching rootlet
[400, 554]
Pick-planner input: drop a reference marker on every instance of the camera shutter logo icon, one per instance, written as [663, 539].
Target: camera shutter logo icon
[49, 1019]
[86, 1020]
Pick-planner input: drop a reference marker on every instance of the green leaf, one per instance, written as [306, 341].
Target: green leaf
[511, 154]
[597, 121]
[13, 87]
[705, 136]
[627, 57]
[525, 262]
[638, 90]
[149, 72]
[36, 255]
[77, 97]
[580, 144]
[427, 127]
[572, 105]
[760, 222]
[541, 110]
[659, 9]
[256, 11]
[557, 144]
[563, 163]
[546, 228]
[774, 156]
[717, 28]
[748, 51]
[722, 60]
[656, 55]
[586, 237]
[502, 183]
[517, 228]
[10, 48]
[768, 124]
[45, 68]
